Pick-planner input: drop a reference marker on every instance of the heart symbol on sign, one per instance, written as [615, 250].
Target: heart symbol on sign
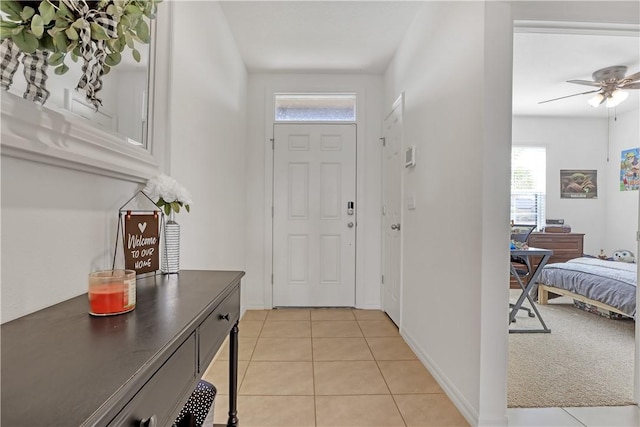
[142, 227]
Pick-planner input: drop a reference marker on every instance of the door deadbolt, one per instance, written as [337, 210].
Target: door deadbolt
[350, 224]
[349, 208]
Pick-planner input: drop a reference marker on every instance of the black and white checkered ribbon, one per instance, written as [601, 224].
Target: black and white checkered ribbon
[34, 68]
[93, 66]
[10, 54]
[35, 73]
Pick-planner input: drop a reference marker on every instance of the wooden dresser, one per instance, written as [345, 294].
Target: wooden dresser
[565, 246]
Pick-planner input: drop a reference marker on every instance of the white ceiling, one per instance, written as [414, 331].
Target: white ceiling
[543, 62]
[319, 36]
[362, 37]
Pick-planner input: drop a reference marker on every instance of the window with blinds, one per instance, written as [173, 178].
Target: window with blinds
[528, 185]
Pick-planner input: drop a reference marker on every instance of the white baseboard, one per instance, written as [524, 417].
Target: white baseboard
[262, 307]
[368, 306]
[458, 399]
[254, 307]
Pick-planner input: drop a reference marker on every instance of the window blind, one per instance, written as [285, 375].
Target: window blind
[528, 185]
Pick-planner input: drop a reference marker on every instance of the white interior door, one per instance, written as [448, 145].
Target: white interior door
[314, 232]
[392, 165]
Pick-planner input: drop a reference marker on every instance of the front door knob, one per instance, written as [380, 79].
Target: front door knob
[350, 224]
[395, 226]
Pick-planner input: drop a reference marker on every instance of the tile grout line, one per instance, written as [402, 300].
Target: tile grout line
[383, 377]
[239, 385]
[313, 373]
[574, 417]
[240, 381]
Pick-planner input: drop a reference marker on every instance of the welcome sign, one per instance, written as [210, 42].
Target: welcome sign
[141, 243]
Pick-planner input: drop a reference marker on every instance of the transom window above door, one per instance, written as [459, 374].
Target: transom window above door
[315, 107]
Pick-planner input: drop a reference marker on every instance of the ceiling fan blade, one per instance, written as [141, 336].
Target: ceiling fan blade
[569, 96]
[633, 77]
[631, 86]
[584, 82]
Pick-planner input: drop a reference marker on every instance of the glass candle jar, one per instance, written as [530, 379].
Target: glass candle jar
[112, 292]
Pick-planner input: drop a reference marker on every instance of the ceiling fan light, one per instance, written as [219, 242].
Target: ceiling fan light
[616, 98]
[596, 100]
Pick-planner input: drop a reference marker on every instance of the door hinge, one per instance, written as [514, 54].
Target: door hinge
[272, 210]
[272, 279]
[384, 141]
[638, 236]
[273, 143]
[384, 210]
[383, 279]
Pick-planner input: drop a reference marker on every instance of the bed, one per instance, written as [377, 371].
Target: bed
[609, 285]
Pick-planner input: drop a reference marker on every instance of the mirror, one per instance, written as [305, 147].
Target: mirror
[124, 94]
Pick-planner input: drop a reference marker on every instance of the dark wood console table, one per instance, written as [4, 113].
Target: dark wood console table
[64, 367]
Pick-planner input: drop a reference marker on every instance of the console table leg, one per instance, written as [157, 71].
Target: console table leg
[233, 377]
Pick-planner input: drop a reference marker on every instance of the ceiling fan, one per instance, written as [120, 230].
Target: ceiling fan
[611, 83]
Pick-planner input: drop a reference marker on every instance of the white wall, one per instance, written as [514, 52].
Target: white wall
[259, 157]
[59, 224]
[455, 267]
[572, 143]
[621, 211]
[208, 132]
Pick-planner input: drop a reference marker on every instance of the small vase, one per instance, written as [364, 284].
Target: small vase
[171, 254]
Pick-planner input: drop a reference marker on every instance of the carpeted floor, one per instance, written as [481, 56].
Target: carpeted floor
[586, 360]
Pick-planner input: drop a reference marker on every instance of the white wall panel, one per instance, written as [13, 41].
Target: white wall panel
[298, 250]
[330, 143]
[208, 136]
[298, 191]
[299, 142]
[58, 225]
[621, 207]
[330, 259]
[453, 241]
[330, 195]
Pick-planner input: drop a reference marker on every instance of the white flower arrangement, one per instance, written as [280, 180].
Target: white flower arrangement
[170, 195]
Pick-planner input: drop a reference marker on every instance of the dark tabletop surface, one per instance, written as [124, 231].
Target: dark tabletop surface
[60, 364]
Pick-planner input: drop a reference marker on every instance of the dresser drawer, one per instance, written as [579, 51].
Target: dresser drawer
[572, 244]
[165, 393]
[565, 246]
[216, 326]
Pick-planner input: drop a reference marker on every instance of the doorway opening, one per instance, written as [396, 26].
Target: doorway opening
[566, 126]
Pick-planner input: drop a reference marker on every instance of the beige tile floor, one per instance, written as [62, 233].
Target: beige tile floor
[328, 367]
[343, 367]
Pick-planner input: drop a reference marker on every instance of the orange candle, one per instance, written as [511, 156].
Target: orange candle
[112, 292]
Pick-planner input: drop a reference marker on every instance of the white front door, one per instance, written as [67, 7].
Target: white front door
[392, 165]
[314, 218]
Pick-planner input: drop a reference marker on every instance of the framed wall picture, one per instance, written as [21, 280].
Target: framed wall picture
[630, 169]
[578, 184]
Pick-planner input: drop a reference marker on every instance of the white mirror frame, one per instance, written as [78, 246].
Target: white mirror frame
[56, 137]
